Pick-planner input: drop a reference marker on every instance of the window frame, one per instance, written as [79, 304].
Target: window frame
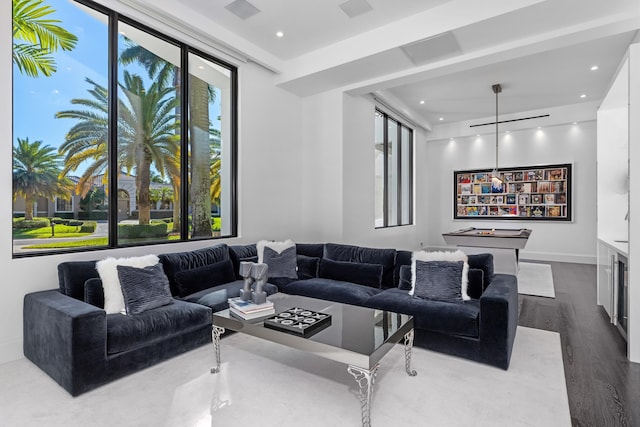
[400, 125]
[113, 19]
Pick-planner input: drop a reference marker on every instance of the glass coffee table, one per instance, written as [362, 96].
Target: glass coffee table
[357, 336]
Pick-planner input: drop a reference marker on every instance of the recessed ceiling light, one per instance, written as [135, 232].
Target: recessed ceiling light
[583, 95]
[594, 67]
[201, 67]
[575, 123]
[279, 34]
[422, 101]
[441, 118]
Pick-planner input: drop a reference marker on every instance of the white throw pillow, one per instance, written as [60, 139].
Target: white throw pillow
[108, 271]
[442, 256]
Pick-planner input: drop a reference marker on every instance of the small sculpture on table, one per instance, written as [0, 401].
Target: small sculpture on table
[245, 272]
[259, 274]
[254, 272]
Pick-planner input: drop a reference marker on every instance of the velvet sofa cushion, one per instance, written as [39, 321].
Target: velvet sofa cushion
[240, 253]
[331, 290]
[178, 261]
[476, 283]
[197, 279]
[448, 318]
[93, 292]
[73, 274]
[483, 262]
[403, 258]
[216, 298]
[126, 333]
[385, 257]
[353, 272]
[307, 266]
[144, 288]
[315, 250]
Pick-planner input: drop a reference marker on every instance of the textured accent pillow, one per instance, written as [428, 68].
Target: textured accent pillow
[108, 272]
[441, 256]
[144, 288]
[280, 257]
[197, 279]
[354, 272]
[438, 280]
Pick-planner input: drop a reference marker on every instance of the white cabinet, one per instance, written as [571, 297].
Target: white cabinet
[606, 263]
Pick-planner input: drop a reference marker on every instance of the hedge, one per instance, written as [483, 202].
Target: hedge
[88, 227]
[22, 224]
[135, 231]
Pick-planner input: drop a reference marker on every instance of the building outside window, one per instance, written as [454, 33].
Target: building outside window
[106, 102]
[393, 172]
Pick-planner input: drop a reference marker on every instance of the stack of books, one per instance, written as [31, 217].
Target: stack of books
[248, 310]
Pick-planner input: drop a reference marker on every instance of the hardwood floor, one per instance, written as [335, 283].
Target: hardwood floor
[603, 386]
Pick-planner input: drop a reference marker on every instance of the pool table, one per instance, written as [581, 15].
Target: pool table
[503, 243]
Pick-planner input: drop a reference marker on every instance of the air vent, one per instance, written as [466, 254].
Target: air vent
[433, 48]
[355, 8]
[242, 9]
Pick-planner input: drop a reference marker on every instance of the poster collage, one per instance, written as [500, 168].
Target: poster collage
[537, 192]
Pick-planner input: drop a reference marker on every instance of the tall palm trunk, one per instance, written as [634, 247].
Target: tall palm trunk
[144, 195]
[28, 208]
[200, 158]
[177, 76]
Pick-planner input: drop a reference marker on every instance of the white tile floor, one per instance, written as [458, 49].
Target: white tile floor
[264, 384]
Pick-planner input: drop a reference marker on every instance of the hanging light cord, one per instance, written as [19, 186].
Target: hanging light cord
[496, 89]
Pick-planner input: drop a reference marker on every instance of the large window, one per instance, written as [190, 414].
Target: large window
[393, 172]
[101, 102]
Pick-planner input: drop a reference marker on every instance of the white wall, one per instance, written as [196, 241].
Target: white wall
[358, 186]
[269, 188]
[559, 143]
[338, 164]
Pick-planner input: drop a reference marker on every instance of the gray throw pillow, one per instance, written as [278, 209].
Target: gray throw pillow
[144, 288]
[439, 280]
[283, 264]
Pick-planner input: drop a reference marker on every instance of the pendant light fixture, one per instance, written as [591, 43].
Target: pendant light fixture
[496, 182]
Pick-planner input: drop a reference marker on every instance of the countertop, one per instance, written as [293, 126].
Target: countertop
[619, 245]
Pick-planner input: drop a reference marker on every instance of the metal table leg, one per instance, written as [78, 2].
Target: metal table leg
[365, 379]
[408, 346]
[216, 331]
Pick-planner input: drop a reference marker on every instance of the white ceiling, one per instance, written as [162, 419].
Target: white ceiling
[540, 51]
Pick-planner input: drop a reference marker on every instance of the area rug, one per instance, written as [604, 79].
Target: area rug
[535, 279]
[265, 384]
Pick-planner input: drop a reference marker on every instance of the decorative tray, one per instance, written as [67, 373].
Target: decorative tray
[299, 321]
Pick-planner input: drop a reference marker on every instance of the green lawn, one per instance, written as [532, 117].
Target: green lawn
[98, 241]
[45, 232]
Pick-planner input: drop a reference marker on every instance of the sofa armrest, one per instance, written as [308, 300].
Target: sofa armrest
[65, 337]
[499, 319]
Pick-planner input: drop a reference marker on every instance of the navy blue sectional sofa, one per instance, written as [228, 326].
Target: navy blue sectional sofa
[68, 334]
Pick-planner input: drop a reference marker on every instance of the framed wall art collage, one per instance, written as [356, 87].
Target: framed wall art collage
[523, 193]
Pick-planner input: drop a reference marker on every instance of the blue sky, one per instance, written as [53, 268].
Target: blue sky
[37, 100]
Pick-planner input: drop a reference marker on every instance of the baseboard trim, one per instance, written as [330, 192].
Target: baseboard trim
[538, 256]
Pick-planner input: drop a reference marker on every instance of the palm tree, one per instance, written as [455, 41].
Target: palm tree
[36, 173]
[43, 37]
[201, 161]
[146, 135]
